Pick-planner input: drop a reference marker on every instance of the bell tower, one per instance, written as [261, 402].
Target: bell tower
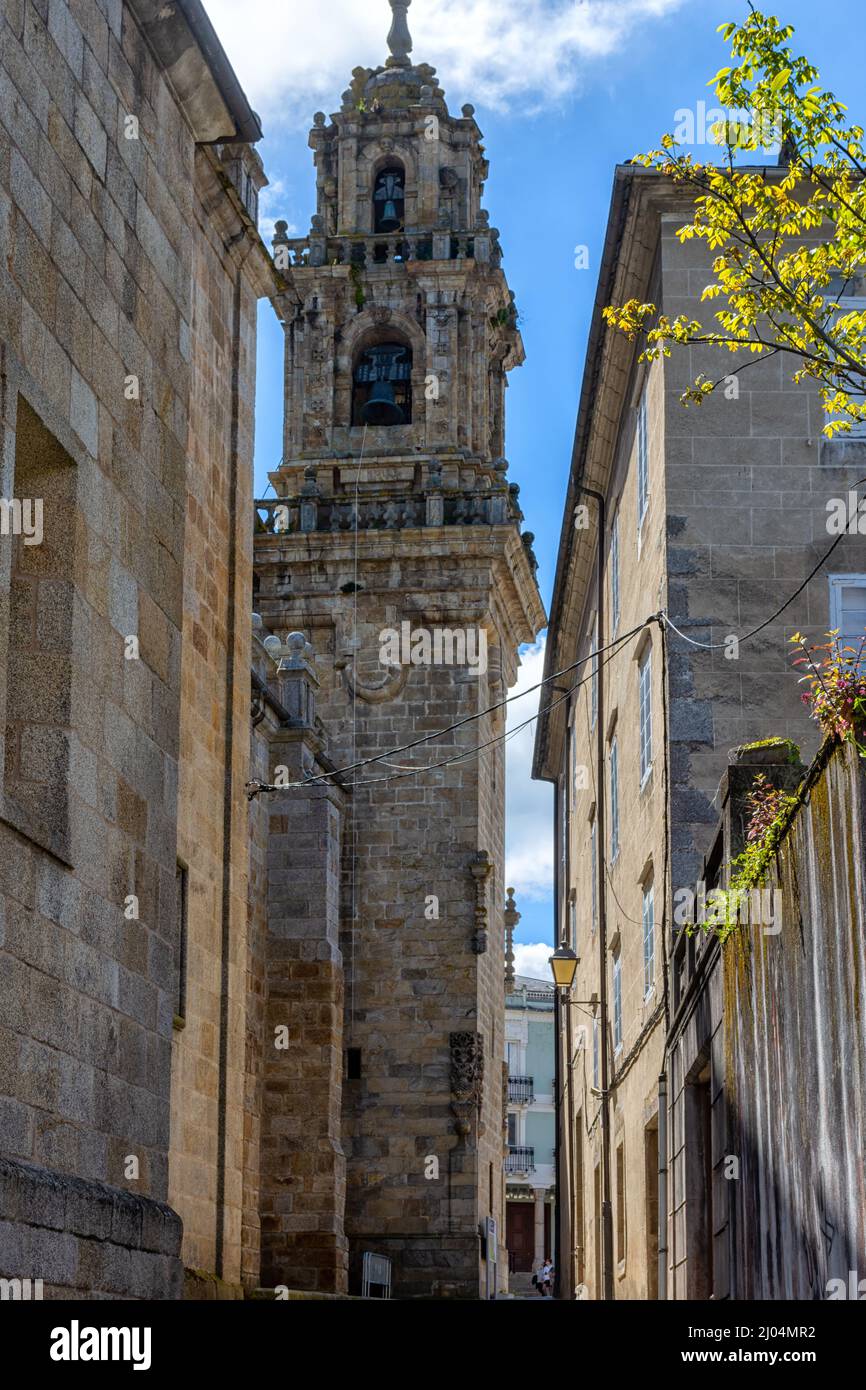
[394, 546]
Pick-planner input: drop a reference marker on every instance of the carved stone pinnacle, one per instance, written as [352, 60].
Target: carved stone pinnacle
[399, 38]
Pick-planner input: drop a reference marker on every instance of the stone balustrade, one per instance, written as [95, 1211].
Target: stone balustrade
[371, 250]
[387, 511]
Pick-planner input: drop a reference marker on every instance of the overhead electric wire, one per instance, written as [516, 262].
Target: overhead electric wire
[718, 646]
[460, 723]
[326, 778]
[477, 748]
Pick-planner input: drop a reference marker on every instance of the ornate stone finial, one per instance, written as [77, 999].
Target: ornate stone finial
[511, 917]
[399, 38]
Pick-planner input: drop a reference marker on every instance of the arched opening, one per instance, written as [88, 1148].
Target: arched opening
[389, 199]
[382, 385]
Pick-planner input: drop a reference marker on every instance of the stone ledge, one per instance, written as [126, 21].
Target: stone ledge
[35, 1196]
[85, 1238]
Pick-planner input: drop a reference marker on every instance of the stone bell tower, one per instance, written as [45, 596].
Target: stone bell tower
[394, 546]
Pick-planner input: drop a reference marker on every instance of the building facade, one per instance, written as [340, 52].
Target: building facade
[530, 1054]
[766, 1130]
[129, 278]
[393, 550]
[714, 516]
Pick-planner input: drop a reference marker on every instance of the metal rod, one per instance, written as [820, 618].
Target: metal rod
[606, 1207]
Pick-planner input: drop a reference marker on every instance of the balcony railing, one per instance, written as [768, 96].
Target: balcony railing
[520, 1090]
[361, 249]
[388, 512]
[519, 1160]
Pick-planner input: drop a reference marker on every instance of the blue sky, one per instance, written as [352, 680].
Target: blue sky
[563, 90]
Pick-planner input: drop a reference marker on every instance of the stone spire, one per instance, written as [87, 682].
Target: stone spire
[399, 38]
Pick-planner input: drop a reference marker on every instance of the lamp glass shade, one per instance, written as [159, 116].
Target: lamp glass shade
[563, 964]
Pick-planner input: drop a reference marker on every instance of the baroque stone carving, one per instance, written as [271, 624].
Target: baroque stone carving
[480, 868]
[467, 1079]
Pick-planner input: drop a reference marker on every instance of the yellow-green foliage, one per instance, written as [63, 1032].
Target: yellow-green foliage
[780, 237]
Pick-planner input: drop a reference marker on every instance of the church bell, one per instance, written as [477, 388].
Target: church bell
[381, 407]
[389, 221]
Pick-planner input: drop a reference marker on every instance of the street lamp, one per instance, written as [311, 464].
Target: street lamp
[563, 964]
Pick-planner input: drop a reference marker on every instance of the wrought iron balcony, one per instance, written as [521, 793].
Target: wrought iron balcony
[520, 1090]
[519, 1160]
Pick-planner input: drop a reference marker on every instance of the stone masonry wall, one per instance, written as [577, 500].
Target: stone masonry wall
[91, 290]
[748, 478]
[214, 738]
[125, 407]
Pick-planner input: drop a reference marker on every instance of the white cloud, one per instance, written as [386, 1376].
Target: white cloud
[528, 817]
[271, 207]
[292, 58]
[532, 959]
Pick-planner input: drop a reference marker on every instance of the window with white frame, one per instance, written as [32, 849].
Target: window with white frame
[614, 799]
[595, 1051]
[645, 717]
[513, 1130]
[512, 1051]
[648, 915]
[848, 293]
[614, 574]
[642, 462]
[593, 854]
[617, 1003]
[848, 612]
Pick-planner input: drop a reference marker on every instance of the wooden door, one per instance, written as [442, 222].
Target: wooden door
[520, 1235]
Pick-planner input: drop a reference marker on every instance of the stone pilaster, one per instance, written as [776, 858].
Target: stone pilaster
[303, 1165]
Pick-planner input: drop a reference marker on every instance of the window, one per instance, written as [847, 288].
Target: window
[39, 520]
[593, 649]
[620, 1203]
[850, 297]
[617, 1003]
[389, 199]
[645, 715]
[181, 900]
[595, 1051]
[848, 611]
[614, 573]
[572, 737]
[512, 1052]
[513, 1140]
[353, 1064]
[382, 385]
[614, 799]
[649, 938]
[593, 851]
[642, 462]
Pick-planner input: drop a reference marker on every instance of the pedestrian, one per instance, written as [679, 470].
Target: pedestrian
[547, 1277]
[538, 1279]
